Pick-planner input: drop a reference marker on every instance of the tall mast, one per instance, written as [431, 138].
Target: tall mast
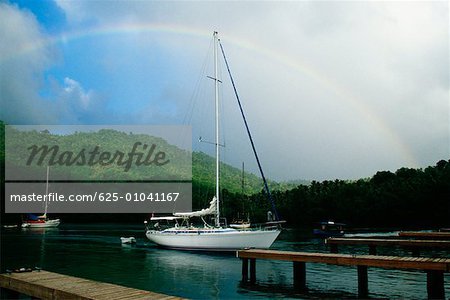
[216, 92]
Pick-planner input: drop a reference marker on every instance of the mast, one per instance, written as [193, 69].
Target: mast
[216, 97]
[46, 195]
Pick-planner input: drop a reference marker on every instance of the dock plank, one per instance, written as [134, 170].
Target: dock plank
[49, 285]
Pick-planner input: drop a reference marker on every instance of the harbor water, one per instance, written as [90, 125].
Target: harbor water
[95, 252]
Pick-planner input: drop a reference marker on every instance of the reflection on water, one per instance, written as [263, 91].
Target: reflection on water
[95, 252]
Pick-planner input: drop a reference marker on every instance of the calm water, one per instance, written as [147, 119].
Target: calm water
[95, 252]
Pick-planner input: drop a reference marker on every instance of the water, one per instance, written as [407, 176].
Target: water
[94, 251]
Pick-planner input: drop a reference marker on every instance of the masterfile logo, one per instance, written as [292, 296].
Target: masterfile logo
[139, 155]
[98, 152]
[98, 169]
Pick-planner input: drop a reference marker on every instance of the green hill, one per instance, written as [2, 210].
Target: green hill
[203, 165]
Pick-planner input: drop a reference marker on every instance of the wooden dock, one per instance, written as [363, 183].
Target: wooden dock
[434, 235]
[434, 267]
[373, 243]
[49, 285]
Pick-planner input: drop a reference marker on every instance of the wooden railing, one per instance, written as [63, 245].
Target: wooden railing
[434, 267]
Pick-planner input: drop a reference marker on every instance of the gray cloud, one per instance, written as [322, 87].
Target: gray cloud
[22, 67]
[331, 89]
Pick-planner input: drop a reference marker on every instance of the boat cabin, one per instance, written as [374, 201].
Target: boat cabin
[329, 229]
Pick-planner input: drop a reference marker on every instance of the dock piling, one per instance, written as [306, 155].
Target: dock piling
[435, 285]
[252, 270]
[363, 282]
[299, 276]
[244, 269]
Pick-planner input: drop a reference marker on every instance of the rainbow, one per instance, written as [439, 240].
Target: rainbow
[360, 107]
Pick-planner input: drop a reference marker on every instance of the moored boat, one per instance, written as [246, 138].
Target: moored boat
[329, 229]
[42, 221]
[183, 234]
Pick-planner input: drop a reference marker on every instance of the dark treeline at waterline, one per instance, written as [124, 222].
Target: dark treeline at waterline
[407, 198]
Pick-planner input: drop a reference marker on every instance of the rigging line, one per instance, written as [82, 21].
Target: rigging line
[250, 136]
[195, 93]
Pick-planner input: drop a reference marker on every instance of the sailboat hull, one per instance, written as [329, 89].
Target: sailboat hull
[44, 224]
[213, 240]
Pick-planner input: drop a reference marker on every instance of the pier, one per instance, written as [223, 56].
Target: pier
[49, 285]
[434, 267]
[441, 235]
[373, 243]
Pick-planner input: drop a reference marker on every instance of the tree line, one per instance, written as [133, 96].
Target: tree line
[405, 198]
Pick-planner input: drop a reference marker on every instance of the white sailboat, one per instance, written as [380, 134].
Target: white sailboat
[184, 235]
[41, 221]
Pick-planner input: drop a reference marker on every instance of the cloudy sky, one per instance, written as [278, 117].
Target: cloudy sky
[331, 89]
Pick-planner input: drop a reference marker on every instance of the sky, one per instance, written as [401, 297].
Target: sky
[331, 90]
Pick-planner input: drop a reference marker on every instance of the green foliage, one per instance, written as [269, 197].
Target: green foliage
[107, 140]
[413, 198]
[407, 198]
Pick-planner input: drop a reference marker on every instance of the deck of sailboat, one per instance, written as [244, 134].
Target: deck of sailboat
[178, 230]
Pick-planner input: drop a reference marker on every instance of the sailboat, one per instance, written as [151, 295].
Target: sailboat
[184, 235]
[41, 221]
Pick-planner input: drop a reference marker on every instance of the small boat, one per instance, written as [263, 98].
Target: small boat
[329, 229]
[42, 221]
[128, 240]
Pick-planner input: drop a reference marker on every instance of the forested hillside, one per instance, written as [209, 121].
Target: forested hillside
[413, 198]
[406, 198]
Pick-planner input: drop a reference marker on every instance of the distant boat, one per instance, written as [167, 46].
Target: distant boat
[41, 221]
[240, 223]
[217, 236]
[10, 226]
[329, 229]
